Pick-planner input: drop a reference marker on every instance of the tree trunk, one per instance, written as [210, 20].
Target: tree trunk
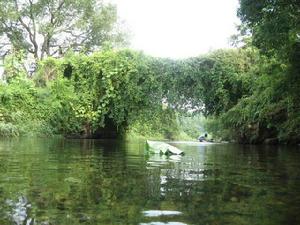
[87, 130]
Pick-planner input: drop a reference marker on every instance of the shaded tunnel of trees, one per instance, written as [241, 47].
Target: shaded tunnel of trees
[249, 94]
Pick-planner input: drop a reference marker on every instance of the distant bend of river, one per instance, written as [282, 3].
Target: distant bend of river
[62, 182]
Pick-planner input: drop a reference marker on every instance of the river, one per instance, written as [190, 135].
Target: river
[61, 182]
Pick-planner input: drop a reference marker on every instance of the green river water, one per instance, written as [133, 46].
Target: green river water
[58, 182]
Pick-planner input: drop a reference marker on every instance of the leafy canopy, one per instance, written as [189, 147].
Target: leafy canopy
[275, 25]
[50, 27]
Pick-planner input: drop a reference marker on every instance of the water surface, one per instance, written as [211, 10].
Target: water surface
[54, 181]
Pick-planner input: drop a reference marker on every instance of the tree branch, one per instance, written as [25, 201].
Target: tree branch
[32, 36]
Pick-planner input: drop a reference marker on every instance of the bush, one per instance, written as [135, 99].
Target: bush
[8, 130]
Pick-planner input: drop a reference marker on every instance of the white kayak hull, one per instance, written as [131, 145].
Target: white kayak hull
[159, 147]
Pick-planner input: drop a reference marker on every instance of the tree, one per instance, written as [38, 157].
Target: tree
[212, 83]
[51, 27]
[275, 28]
[275, 25]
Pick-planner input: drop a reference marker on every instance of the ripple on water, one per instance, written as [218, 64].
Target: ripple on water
[92, 182]
[162, 213]
[156, 213]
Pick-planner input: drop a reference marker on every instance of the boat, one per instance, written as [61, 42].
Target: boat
[158, 147]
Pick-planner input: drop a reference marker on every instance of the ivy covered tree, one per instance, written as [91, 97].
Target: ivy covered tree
[212, 83]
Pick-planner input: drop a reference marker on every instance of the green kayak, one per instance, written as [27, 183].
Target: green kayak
[159, 147]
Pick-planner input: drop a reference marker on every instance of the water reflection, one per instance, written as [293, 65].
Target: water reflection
[58, 181]
[19, 211]
[156, 213]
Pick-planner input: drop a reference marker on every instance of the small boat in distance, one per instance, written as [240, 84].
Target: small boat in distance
[158, 147]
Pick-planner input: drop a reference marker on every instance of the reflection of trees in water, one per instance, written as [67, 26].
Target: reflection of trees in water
[232, 184]
[90, 182]
[76, 182]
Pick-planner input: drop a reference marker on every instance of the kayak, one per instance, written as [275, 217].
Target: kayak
[159, 147]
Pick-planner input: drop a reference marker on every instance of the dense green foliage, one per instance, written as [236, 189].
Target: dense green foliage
[117, 92]
[50, 27]
[274, 25]
[80, 95]
[250, 94]
[215, 82]
[115, 88]
[271, 112]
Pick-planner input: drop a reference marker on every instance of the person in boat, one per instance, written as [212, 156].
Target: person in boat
[203, 137]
